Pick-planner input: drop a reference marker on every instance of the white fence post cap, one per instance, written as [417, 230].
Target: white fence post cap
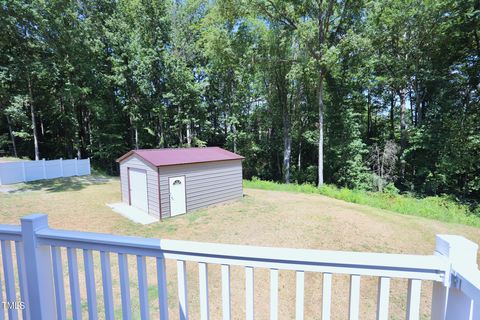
[457, 248]
[38, 220]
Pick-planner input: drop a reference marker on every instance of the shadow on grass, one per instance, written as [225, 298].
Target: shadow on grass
[61, 184]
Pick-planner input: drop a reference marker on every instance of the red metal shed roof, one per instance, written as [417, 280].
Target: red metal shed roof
[174, 156]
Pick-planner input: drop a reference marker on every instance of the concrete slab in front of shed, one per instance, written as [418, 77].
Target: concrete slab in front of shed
[132, 213]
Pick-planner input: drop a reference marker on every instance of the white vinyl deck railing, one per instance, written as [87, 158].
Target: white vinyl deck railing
[39, 274]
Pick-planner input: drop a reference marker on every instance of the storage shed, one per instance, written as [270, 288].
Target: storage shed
[169, 182]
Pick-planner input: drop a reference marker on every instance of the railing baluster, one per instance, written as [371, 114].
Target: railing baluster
[40, 269]
[273, 294]
[383, 298]
[59, 283]
[143, 288]
[300, 295]
[354, 297]
[90, 283]
[226, 309]
[74, 286]
[124, 286]
[413, 299]
[2, 310]
[249, 303]
[327, 296]
[203, 281]
[107, 285]
[9, 278]
[182, 290]
[162, 289]
[22, 277]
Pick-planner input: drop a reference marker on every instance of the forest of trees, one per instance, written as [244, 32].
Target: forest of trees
[367, 94]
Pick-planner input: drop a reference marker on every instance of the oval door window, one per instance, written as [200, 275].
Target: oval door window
[177, 182]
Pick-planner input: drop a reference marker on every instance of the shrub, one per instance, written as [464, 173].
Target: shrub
[439, 208]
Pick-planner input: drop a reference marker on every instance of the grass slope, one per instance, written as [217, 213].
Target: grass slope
[438, 208]
[262, 217]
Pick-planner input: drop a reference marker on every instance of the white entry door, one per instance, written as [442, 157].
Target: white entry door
[138, 189]
[177, 195]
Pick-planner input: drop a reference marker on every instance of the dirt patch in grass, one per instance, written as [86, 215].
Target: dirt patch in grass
[55, 185]
[266, 218]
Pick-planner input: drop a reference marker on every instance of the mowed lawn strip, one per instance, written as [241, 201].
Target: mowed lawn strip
[434, 207]
[262, 217]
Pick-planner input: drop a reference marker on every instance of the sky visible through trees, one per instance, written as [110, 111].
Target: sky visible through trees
[308, 91]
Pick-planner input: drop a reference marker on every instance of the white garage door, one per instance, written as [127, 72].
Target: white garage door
[138, 189]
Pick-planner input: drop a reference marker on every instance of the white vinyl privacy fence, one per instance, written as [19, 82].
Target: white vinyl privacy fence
[25, 171]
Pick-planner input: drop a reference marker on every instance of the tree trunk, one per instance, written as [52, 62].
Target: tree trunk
[418, 104]
[392, 117]
[89, 128]
[279, 165]
[161, 139]
[180, 132]
[413, 112]
[34, 120]
[189, 134]
[299, 161]
[403, 130]
[382, 171]
[287, 145]
[421, 111]
[403, 120]
[81, 131]
[234, 131]
[136, 137]
[42, 127]
[14, 145]
[135, 133]
[321, 110]
[225, 124]
[323, 24]
[369, 116]
[379, 176]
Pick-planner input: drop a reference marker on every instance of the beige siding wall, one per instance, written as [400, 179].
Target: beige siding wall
[206, 183]
[135, 161]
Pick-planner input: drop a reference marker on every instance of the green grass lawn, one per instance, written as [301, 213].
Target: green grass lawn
[10, 159]
[438, 208]
[303, 219]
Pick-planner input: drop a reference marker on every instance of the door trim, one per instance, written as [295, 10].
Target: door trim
[159, 194]
[184, 190]
[129, 191]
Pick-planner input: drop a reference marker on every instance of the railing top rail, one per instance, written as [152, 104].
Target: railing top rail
[468, 281]
[10, 232]
[435, 266]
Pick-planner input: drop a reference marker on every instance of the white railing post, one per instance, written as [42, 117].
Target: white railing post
[38, 265]
[89, 169]
[44, 169]
[448, 301]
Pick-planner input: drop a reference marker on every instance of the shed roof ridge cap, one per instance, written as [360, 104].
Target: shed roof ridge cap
[174, 156]
[178, 148]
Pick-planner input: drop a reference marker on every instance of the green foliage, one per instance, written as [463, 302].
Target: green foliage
[98, 78]
[438, 208]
